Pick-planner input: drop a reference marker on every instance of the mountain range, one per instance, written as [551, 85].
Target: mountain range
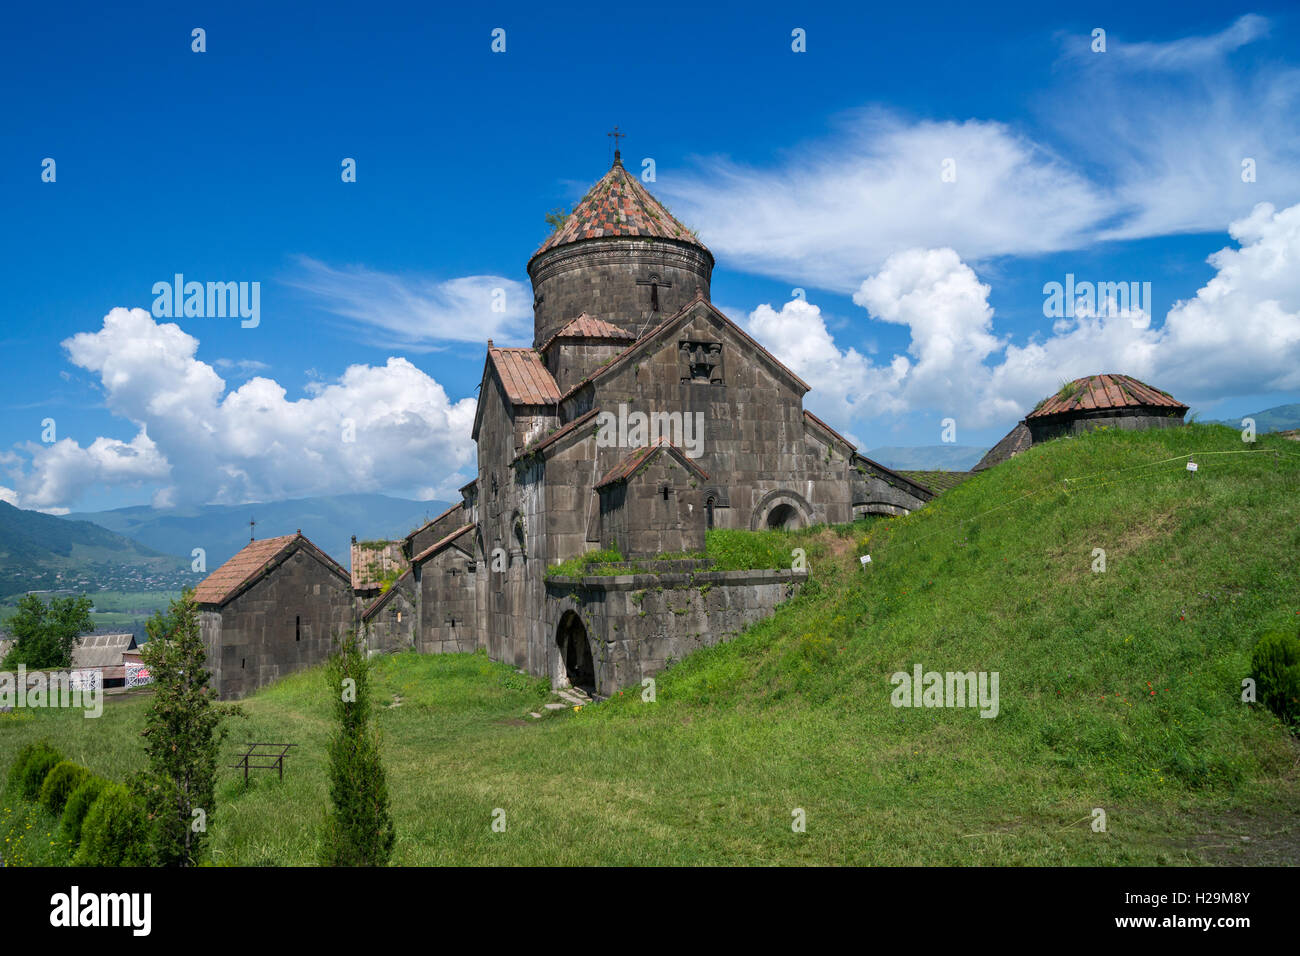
[221, 530]
[928, 457]
[1279, 418]
[44, 552]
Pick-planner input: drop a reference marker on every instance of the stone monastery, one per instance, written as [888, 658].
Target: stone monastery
[640, 417]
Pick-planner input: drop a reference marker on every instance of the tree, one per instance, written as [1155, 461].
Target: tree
[183, 734]
[358, 829]
[45, 634]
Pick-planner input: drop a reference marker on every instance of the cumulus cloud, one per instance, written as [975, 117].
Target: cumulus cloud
[419, 314]
[374, 428]
[1239, 334]
[1130, 143]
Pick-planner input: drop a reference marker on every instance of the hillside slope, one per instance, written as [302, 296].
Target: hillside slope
[44, 552]
[1119, 691]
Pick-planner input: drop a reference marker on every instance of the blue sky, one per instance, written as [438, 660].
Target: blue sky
[819, 170]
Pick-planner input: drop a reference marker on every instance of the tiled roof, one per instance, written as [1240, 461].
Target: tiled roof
[1012, 444]
[587, 327]
[1104, 391]
[433, 549]
[370, 565]
[525, 379]
[817, 421]
[221, 585]
[889, 476]
[618, 205]
[627, 467]
[937, 481]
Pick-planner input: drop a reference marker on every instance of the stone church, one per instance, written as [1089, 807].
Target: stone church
[640, 417]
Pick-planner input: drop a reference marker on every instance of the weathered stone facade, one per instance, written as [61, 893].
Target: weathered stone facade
[640, 418]
[277, 609]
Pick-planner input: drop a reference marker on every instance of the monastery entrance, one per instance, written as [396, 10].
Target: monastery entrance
[783, 516]
[575, 652]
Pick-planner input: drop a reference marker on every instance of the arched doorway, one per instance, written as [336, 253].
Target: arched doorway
[783, 516]
[575, 653]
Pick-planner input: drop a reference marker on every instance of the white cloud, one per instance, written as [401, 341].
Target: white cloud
[1131, 143]
[1240, 334]
[420, 314]
[207, 444]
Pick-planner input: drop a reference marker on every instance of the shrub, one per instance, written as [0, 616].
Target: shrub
[1276, 665]
[115, 831]
[59, 784]
[29, 769]
[79, 803]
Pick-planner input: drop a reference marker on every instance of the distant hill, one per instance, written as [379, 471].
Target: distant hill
[928, 457]
[1280, 418]
[44, 552]
[221, 530]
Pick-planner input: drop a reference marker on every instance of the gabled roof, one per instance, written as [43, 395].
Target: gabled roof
[433, 549]
[888, 475]
[1104, 391]
[628, 466]
[526, 380]
[251, 561]
[588, 327]
[369, 565]
[678, 317]
[380, 601]
[618, 205]
[827, 428]
[456, 507]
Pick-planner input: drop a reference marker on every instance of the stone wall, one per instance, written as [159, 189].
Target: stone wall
[636, 624]
[600, 277]
[659, 509]
[289, 619]
[447, 582]
[1129, 419]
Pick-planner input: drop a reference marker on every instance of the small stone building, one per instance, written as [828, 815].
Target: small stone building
[1095, 401]
[277, 606]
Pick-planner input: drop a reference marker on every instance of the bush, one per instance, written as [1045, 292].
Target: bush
[59, 784]
[1276, 665]
[115, 831]
[79, 803]
[29, 769]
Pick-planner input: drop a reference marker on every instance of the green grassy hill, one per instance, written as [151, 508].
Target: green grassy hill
[1118, 690]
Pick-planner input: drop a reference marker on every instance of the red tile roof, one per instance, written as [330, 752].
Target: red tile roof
[588, 327]
[618, 205]
[1104, 391]
[254, 558]
[627, 467]
[525, 379]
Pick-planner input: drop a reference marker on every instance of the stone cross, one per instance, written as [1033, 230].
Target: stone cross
[654, 282]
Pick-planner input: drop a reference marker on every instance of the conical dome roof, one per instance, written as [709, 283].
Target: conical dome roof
[616, 206]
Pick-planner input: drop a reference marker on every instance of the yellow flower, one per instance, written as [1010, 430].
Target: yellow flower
[577, 707]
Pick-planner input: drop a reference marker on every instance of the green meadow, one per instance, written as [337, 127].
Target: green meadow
[1120, 690]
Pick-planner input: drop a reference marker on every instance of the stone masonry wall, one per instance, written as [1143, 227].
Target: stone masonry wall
[636, 624]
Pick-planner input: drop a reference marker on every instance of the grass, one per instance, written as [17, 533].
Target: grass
[1118, 690]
